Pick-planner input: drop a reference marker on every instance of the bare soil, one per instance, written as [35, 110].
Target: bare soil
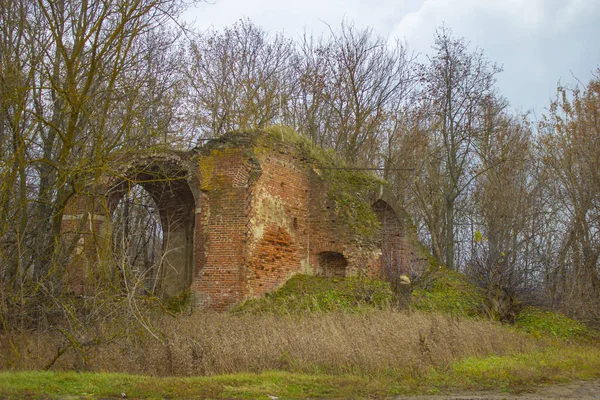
[584, 390]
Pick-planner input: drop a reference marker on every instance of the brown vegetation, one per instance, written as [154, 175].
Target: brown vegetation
[212, 343]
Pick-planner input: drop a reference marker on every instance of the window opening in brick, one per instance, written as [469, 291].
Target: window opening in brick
[332, 264]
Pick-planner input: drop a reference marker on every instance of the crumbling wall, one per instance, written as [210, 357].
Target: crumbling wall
[278, 217]
[262, 208]
[87, 219]
[226, 174]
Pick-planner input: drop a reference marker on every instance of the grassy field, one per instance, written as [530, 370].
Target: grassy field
[512, 373]
[313, 338]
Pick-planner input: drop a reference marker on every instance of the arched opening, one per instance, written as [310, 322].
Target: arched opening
[390, 241]
[137, 238]
[332, 264]
[153, 228]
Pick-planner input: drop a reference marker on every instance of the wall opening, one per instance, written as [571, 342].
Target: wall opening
[137, 238]
[332, 264]
[390, 241]
[153, 228]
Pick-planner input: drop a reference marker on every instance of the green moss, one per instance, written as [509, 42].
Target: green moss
[306, 293]
[448, 292]
[285, 134]
[207, 166]
[547, 323]
[351, 190]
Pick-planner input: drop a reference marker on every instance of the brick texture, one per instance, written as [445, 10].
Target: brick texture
[260, 213]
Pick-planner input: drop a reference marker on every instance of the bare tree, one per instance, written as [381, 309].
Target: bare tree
[239, 78]
[80, 82]
[570, 147]
[505, 204]
[351, 83]
[457, 88]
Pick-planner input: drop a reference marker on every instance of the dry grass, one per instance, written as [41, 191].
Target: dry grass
[210, 343]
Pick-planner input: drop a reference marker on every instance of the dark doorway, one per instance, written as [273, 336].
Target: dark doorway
[332, 264]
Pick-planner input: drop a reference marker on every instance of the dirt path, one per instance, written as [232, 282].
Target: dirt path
[585, 390]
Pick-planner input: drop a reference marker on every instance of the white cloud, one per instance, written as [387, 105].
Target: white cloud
[539, 42]
[294, 16]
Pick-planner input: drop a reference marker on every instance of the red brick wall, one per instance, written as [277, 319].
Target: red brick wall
[277, 218]
[221, 233]
[262, 215]
[265, 215]
[273, 260]
[393, 258]
[400, 251]
[332, 264]
[291, 196]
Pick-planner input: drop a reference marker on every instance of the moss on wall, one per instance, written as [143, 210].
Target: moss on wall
[352, 191]
[207, 166]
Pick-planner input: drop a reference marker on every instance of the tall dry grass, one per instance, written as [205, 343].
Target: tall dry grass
[211, 343]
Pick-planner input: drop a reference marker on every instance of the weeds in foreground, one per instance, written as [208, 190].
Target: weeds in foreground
[312, 338]
[311, 325]
[507, 373]
[211, 343]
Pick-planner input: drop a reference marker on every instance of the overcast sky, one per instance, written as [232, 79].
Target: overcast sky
[538, 42]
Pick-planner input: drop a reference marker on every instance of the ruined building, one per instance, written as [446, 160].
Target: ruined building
[242, 214]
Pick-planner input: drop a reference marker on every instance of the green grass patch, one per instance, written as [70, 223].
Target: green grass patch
[448, 292]
[558, 363]
[57, 385]
[306, 293]
[542, 323]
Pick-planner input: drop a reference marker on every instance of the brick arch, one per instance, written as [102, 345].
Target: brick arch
[166, 182]
[170, 184]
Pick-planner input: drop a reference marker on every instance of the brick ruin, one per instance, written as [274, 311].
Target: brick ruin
[241, 215]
